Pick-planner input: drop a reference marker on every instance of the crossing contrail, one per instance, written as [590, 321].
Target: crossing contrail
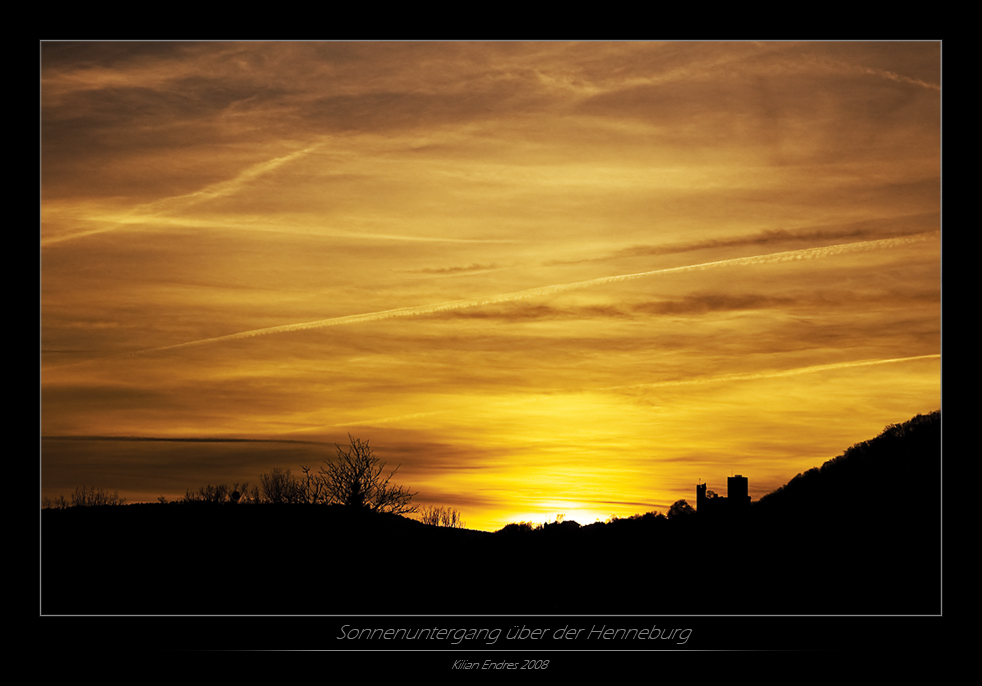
[417, 310]
[159, 208]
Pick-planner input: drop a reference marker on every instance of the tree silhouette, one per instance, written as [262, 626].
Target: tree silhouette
[680, 508]
[356, 480]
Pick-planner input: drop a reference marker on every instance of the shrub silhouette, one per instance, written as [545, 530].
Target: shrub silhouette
[441, 516]
[219, 493]
[279, 487]
[83, 497]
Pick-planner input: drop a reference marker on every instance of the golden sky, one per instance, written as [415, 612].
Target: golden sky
[543, 278]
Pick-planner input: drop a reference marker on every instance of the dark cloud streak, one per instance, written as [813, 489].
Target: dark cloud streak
[813, 237]
[474, 267]
[142, 439]
[695, 304]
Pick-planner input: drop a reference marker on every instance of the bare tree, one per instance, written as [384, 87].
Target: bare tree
[356, 480]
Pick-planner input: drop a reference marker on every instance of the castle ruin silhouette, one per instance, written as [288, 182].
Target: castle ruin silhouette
[737, 497]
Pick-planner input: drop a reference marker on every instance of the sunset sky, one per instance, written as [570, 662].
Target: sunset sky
[544, 278]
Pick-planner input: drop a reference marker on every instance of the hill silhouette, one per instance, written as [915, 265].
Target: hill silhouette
[858, 535]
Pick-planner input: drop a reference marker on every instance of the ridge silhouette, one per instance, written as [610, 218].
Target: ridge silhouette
[833, 540]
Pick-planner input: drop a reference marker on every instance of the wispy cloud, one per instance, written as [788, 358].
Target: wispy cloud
[770, 258]
[690, 381]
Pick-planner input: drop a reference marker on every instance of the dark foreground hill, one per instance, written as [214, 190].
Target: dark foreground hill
[861, 535]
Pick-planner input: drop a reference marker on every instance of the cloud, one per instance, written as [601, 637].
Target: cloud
[807, 301]
[534, 312]
[414, 311]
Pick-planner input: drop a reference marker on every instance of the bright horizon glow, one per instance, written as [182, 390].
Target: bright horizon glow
[543, 278]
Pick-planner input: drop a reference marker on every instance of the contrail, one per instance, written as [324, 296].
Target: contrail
[416, 310]
[813, 369]
[230, 186]
[893, 76]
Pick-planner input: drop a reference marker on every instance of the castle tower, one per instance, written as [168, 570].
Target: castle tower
[737, 491]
